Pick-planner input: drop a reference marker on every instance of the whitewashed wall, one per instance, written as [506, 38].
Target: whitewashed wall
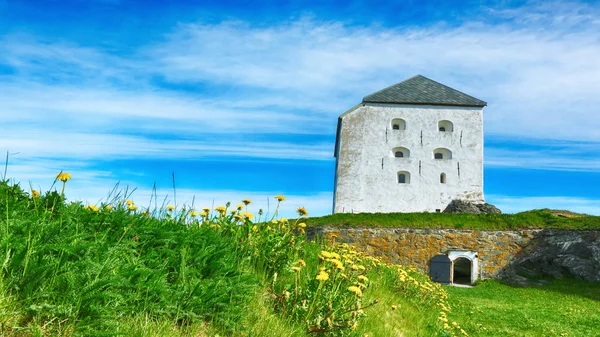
[366, 170]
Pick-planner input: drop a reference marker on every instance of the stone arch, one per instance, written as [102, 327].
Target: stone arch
[398, 124]
[442, 153]
[400, 152]
[465, 267]
[445, 126]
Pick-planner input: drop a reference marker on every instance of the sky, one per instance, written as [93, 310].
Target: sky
[204, 102]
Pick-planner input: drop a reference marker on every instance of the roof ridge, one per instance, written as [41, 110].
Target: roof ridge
[419, 89]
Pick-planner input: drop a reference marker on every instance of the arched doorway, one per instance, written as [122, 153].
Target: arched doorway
[461, 271]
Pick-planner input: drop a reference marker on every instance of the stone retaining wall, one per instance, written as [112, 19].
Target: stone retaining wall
[535, 252]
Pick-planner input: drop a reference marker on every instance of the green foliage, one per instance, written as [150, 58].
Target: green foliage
[74, 270]
[535, 219]
[70, 264]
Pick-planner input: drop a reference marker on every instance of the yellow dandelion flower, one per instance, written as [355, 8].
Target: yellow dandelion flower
[193, 213]
[204, 214]
[35, 194]
[344, 275]
[302, 211]
[301, 230]
[326, 254]
[274, 222]
[363, 278]
[132, 207]
[301, 263]
[108, 207]
[129, 202]
[170, 208]
[247, 201]
[394, 307]
[233, 211]
[92, 208]
[206, 209]
[338, 264]
[255, 228]
[296, 269]
[355, 290]
[283, 220]
[280, 197]
[221, 209]
[302, 225]
[63, 176]
[237, 217]
[248, 215]
[322, 276]
[145, 213]
[361, 267]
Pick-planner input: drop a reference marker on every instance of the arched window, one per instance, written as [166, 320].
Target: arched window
[443, 178]
[400, 152]
[398, 124]
[442, 153]
[445, 126]
[403, 177]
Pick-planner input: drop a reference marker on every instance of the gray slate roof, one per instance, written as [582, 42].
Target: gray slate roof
[421, 90]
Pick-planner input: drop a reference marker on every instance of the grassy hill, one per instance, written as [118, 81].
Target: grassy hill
[535, 219]
[113, 269]
[68, 269]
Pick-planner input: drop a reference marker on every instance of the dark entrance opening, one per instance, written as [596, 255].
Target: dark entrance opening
[461, 271]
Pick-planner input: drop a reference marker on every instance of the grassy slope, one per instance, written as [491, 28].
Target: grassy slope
[559, 308]
[524, 220]
[70, 271]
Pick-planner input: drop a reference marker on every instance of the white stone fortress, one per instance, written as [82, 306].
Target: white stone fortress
[411, 147]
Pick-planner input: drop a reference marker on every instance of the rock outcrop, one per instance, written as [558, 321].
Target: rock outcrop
[465, 206]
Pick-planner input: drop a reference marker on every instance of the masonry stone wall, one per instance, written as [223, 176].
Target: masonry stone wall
[535, 252]
[367, 170]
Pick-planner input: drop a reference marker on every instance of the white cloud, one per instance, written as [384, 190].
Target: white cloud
[514, 204]
[87, 146]
[545, 155]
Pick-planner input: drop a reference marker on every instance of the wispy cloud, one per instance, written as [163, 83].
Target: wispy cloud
[544, 154]
[245, 89]
[514, 204]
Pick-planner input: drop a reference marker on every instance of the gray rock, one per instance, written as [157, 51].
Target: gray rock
[464, 206]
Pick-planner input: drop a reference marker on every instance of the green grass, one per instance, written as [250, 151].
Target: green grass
[559, 308]
[70, 271]
[535, 219]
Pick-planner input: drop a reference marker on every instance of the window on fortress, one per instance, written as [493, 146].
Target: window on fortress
[443, 178]
[398, 124]
[442, 153]
[445, 126]
[403, 177]
[400, 152]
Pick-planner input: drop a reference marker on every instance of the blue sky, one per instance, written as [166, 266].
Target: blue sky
[240, 99]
